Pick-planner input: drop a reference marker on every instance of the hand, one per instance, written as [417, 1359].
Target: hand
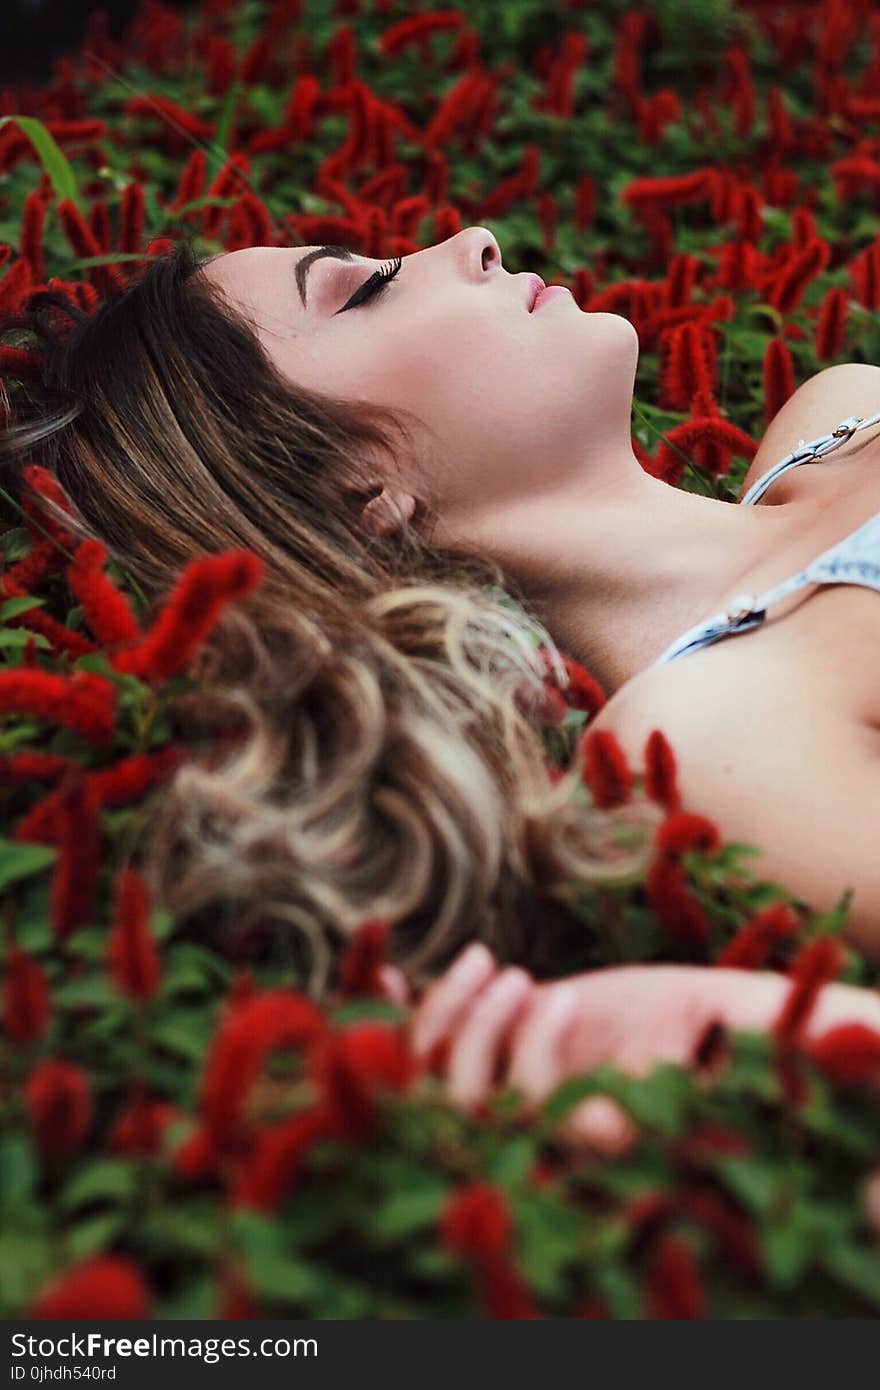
[492, 1026]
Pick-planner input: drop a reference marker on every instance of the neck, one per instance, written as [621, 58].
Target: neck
[617, 564]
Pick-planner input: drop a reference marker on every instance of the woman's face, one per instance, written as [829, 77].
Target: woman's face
[514, 401]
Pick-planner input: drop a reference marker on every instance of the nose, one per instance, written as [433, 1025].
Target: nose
[479, 251]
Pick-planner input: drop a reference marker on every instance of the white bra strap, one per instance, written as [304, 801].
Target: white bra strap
[807, 452]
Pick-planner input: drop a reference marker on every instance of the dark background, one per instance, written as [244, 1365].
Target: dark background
[33, 32]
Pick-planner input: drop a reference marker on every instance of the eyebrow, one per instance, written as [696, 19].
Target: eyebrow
[304, 264]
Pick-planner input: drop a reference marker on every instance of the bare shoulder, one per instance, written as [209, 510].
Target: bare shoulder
[819, 403]
[772, 768]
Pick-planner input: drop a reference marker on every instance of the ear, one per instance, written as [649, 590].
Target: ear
[386, 513]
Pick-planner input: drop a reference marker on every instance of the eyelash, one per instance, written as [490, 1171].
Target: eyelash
[374, 285]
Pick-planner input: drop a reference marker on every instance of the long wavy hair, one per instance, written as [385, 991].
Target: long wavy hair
[390, 690]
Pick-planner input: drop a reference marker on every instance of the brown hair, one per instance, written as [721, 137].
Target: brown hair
[393, 765]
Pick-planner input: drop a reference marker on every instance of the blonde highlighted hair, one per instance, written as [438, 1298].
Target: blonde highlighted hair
[388, 690]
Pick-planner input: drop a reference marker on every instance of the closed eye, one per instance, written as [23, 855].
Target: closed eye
[374, 285]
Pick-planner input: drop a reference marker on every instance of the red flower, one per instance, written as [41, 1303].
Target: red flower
[688, 365]
[275, 1165]
[418, 28]
[105, 278]
[850, 1053]
[605, 768]
[812, 968]
[360, 961]
[84, 701]
[779, 383]
[476, 1221]
[672, 904]
[139, 1128]
[31, 244]
[131, 218]
[476, 1224]
[26, 1004]
[236, 1299]
[249, 1032]
[192, 179]
[133, 957]
[106, 1287]
[191, 613]
[831, 324]
[683, 831]
[353, 1065]
[675, 1290]
[660, 771]
[754, 942]
[107, 611]
[58, 1098]
[787, 289]
[77, 832]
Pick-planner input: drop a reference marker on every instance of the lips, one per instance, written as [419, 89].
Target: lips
[535, 288]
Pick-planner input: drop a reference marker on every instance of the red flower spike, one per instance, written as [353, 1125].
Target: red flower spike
[132, 215]
[107, 611]
[31, 243]
[788, 288]
[105, 278]
[779, 382]
[675, 1290]
[140, 1127]
[59, 1102]
[191, 613]
[755, 941]
[106, 1287]
[604, 767]
[236, 1301]
[477, 1222]
[414, 30]
[354, 1066]
[812, 968]
[26, 1004]
[99, 222]
[360, 961]
[132, 953]
[661, 771]
[683, 831]
[77, 832]
[831, 324]
[849, 1053]
[247, 1035]
[275, 1166]
[191, 184]
[16, 284]
[84, 701]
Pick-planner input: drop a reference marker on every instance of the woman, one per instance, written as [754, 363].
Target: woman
[393, 762]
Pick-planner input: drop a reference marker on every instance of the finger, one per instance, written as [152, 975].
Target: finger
[599, 1125]
[536, 1066]
[394, 984]
[479, 1038]
[446, 998]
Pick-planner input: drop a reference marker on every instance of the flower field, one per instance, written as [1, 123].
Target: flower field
[184, 1131]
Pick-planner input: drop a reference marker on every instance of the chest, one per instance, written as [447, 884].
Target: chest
[816, 657]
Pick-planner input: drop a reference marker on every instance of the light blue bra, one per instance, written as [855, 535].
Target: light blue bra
[854, 560]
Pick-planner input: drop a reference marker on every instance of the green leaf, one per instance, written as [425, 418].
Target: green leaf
[19, 860]
[105, 1179]
[13, 606]
[415, 1209]
[60, 173]
[94, 1235]
[20, 636]
[17, 1171]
